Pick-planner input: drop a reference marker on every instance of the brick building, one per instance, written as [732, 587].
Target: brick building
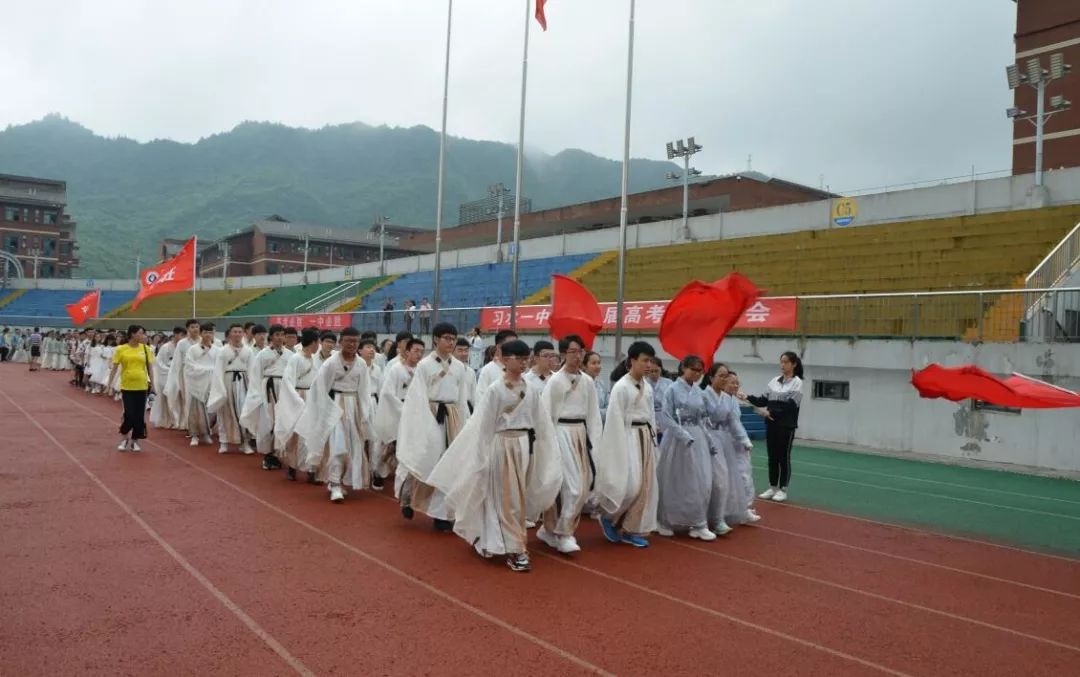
[746, 190]
[1045, 27]
[34, 227]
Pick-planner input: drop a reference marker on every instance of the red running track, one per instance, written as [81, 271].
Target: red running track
[183, 561]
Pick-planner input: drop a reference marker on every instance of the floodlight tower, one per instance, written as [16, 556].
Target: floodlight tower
[684, 150]
[1038, 78]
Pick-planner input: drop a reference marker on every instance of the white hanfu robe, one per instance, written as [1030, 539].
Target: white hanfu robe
[502, 467]
[490, 374]
[267, 368]
[730, 501]
[333, 424]
[300, 372]
[374, 442]
[625, 488]
[395, 386]
[688, 459]
[165, 412]
[198, 374]
[437, 391]
[571, 401]
[228, 391]
[470, 386]
[536, 380]
[174, 384]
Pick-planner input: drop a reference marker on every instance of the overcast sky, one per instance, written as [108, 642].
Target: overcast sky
[864, 92]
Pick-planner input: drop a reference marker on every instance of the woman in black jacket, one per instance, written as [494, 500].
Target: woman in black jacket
[779, 406]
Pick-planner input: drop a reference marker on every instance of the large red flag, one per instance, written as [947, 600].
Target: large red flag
[540, 16]
[970, 382]
[701, 315]
[574, 310]
[86, 308]
[176, 274]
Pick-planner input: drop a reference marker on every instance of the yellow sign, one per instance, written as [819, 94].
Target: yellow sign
[844, 211]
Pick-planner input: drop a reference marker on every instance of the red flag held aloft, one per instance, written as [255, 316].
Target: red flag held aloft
[702, 313]
[86, 308]
[970, 382]
[176, 274]
[574, 310]
[540, 17]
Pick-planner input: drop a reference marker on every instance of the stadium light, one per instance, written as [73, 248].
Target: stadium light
[1038, 78]
[684, 149]
[498, 191]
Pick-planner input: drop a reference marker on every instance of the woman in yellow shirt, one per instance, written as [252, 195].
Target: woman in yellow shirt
[136, 379]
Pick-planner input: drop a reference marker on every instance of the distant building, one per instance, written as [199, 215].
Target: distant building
[34, 227]
[276, 245]
[488, 208]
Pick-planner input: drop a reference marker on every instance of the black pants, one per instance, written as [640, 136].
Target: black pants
[134, 420]
[3, 353]
[778, 442]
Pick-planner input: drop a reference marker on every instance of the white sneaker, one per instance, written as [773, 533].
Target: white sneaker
[529, 524]
[721, 529]
[194, 442]
[223, 449]
[664, 531]
[780, 496]
[336, 495]
[135, 446]
[767, 494]
[123, 446]
[568, 544]
[247, 449]
[750, 517]
[548, 538]
[704, 534]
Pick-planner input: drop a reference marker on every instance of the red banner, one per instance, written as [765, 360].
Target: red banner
[331, 321]
[766, 313]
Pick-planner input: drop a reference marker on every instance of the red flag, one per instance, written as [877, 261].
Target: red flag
[540, 17]
[574, 310]
[701, 315]
[970, 382]
[86, 308]
[176, 274]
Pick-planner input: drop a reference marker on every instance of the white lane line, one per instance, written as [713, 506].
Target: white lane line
[386, 566]
[247, 620]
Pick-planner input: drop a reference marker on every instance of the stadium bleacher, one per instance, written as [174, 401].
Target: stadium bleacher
[163, 312]
[45, 307]
[282, 299]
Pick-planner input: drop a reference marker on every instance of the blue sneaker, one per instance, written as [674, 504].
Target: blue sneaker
[610, 532]
[635, 540]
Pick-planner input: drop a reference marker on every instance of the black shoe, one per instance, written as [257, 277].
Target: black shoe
[290, 474]
[376, 482]
[519, 562]
[406, 512]
[271, 462]
[443, 526]
[311, 479]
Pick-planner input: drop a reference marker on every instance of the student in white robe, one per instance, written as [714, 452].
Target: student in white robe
[475, 343]
[395, 386]
[461, 353]
[625, 487]
[300, 372]
[436, 409]
[292, 339]
[401, 342]
[492, 371]
[593, 367]
[570, 398]
[249, 339]
[688, 458]
[738, 507]
[198, 375]
[165, 412]
[268, 366]
[545, 361]
[228, 391]
[503, 466]
[373, 443]
[327, 347]
[174, 386]
[333, 426]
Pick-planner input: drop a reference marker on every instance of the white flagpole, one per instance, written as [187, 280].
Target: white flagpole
[194, 272]
[442, 167]
[518, 180]
[624, 209]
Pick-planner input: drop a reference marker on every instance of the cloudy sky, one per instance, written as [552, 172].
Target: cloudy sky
[861, 92]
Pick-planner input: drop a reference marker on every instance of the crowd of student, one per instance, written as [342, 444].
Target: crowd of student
[533, 437]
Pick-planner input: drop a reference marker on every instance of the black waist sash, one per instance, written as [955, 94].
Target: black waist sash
[530, 432]
[588, 446]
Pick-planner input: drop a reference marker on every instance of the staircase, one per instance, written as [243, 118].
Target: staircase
[8, 298]
[1059, 268]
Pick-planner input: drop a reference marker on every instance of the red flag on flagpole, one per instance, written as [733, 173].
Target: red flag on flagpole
[574, 310]
[176, 274]
[541, 18]
[86, 308]
[970, 382]
[702, 313]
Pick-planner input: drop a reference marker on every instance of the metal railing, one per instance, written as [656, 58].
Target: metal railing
[328, 299]
[987, 315]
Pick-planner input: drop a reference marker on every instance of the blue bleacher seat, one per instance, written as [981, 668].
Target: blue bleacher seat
[45, 307]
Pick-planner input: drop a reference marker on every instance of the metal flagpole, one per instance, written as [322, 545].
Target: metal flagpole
[520, 171]
[194, 272]
[442, 167]
[624, 209]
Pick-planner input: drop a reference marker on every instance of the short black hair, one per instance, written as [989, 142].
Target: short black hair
[542, 345]
[369, 335]
[462, 341]
[442, 329]
[134, 329]
[403, 336]
[414, 342]
[191, 322]
[328, 335]
[307, 337]
[276, 328]
[248, 325]
[566, 341]
[232, 326]
[258, 329]
[515, 348]
[175, 330]
[350, 331]
[291, 331]
[504, 335]
[206, 326]
[639, 348]
[366, 341]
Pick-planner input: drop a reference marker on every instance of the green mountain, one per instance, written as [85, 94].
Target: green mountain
[126, 196]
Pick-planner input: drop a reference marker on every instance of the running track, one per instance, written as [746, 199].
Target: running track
[182, 561]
